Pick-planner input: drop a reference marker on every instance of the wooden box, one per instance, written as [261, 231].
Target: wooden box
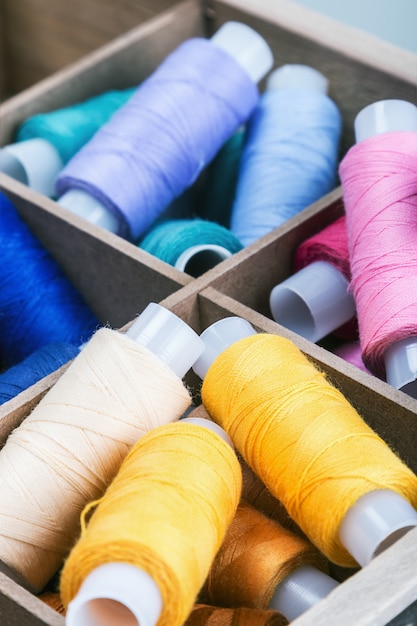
[118, 279]
[39, 37]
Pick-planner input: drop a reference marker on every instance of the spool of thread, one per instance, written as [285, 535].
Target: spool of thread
[36, 366]
[67, 451]
[193, 246]
[290, 155]
[150, 542]
[315, 300]
[47, 141]
[379, 183]
[344, 487]
[254, 491]
[38, 304]
[261, 565]
[206, 615]
[202, 614]
[156, 145]
[53, 600]
[221, 180]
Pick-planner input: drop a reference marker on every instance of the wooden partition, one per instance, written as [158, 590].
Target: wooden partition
[118, 279]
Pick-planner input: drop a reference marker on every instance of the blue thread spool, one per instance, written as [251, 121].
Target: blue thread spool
[46, 141]
[290, 155]
[38, 304]
[36, 366]
[159, 142]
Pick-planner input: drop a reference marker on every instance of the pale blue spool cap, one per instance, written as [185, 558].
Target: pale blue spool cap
[379, 117]
[248, 48]
[34, 162]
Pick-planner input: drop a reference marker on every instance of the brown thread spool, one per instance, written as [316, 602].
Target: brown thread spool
[53, 600]
[257, 555]
[206, 615]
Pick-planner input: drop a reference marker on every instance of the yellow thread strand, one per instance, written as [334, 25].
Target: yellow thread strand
[300, 436]
[166, 512]
[69, 449]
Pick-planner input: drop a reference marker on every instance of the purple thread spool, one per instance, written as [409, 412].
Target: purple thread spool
[156, 145]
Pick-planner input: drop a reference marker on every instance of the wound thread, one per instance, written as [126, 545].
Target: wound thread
[155, 146]
[301, 436]
[70, 128]
[207, 615]
[36, 366]
[257, 554]
[68, 450]
[289, 160]
[38, 304]
[379, 182]
[166, 512]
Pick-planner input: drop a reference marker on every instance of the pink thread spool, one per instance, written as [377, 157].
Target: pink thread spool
[379, 181]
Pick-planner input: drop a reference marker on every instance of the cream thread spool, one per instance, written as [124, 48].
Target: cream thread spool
[113, 390]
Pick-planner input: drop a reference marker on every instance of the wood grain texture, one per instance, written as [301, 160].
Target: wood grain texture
[19, 607]
[123, 62]
[42, 36]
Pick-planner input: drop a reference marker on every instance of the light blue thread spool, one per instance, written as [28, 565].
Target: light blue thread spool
[290, 156]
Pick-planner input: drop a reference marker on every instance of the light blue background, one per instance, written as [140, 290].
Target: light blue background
[392, 20]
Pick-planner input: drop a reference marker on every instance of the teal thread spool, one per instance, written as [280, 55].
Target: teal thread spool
[193, 246]
[47, 141]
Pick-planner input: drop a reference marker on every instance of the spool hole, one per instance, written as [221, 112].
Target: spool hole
[11, 166]
[203, 261]
[106, 612]
[291, 311]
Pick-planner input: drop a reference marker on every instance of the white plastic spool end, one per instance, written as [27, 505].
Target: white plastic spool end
[401, 365]
[91, 209]
[168, 337]
[39, 160]
[376, 521]
[10, 165]
[385, 116]
[313, 302]
[296, 76]
[116, 593]
[247, 47]
[217, 338]
[301, 590]
[197, 260]
[205, 423]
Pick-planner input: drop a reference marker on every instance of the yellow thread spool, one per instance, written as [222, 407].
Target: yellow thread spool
[166, 513]
[301, 437]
